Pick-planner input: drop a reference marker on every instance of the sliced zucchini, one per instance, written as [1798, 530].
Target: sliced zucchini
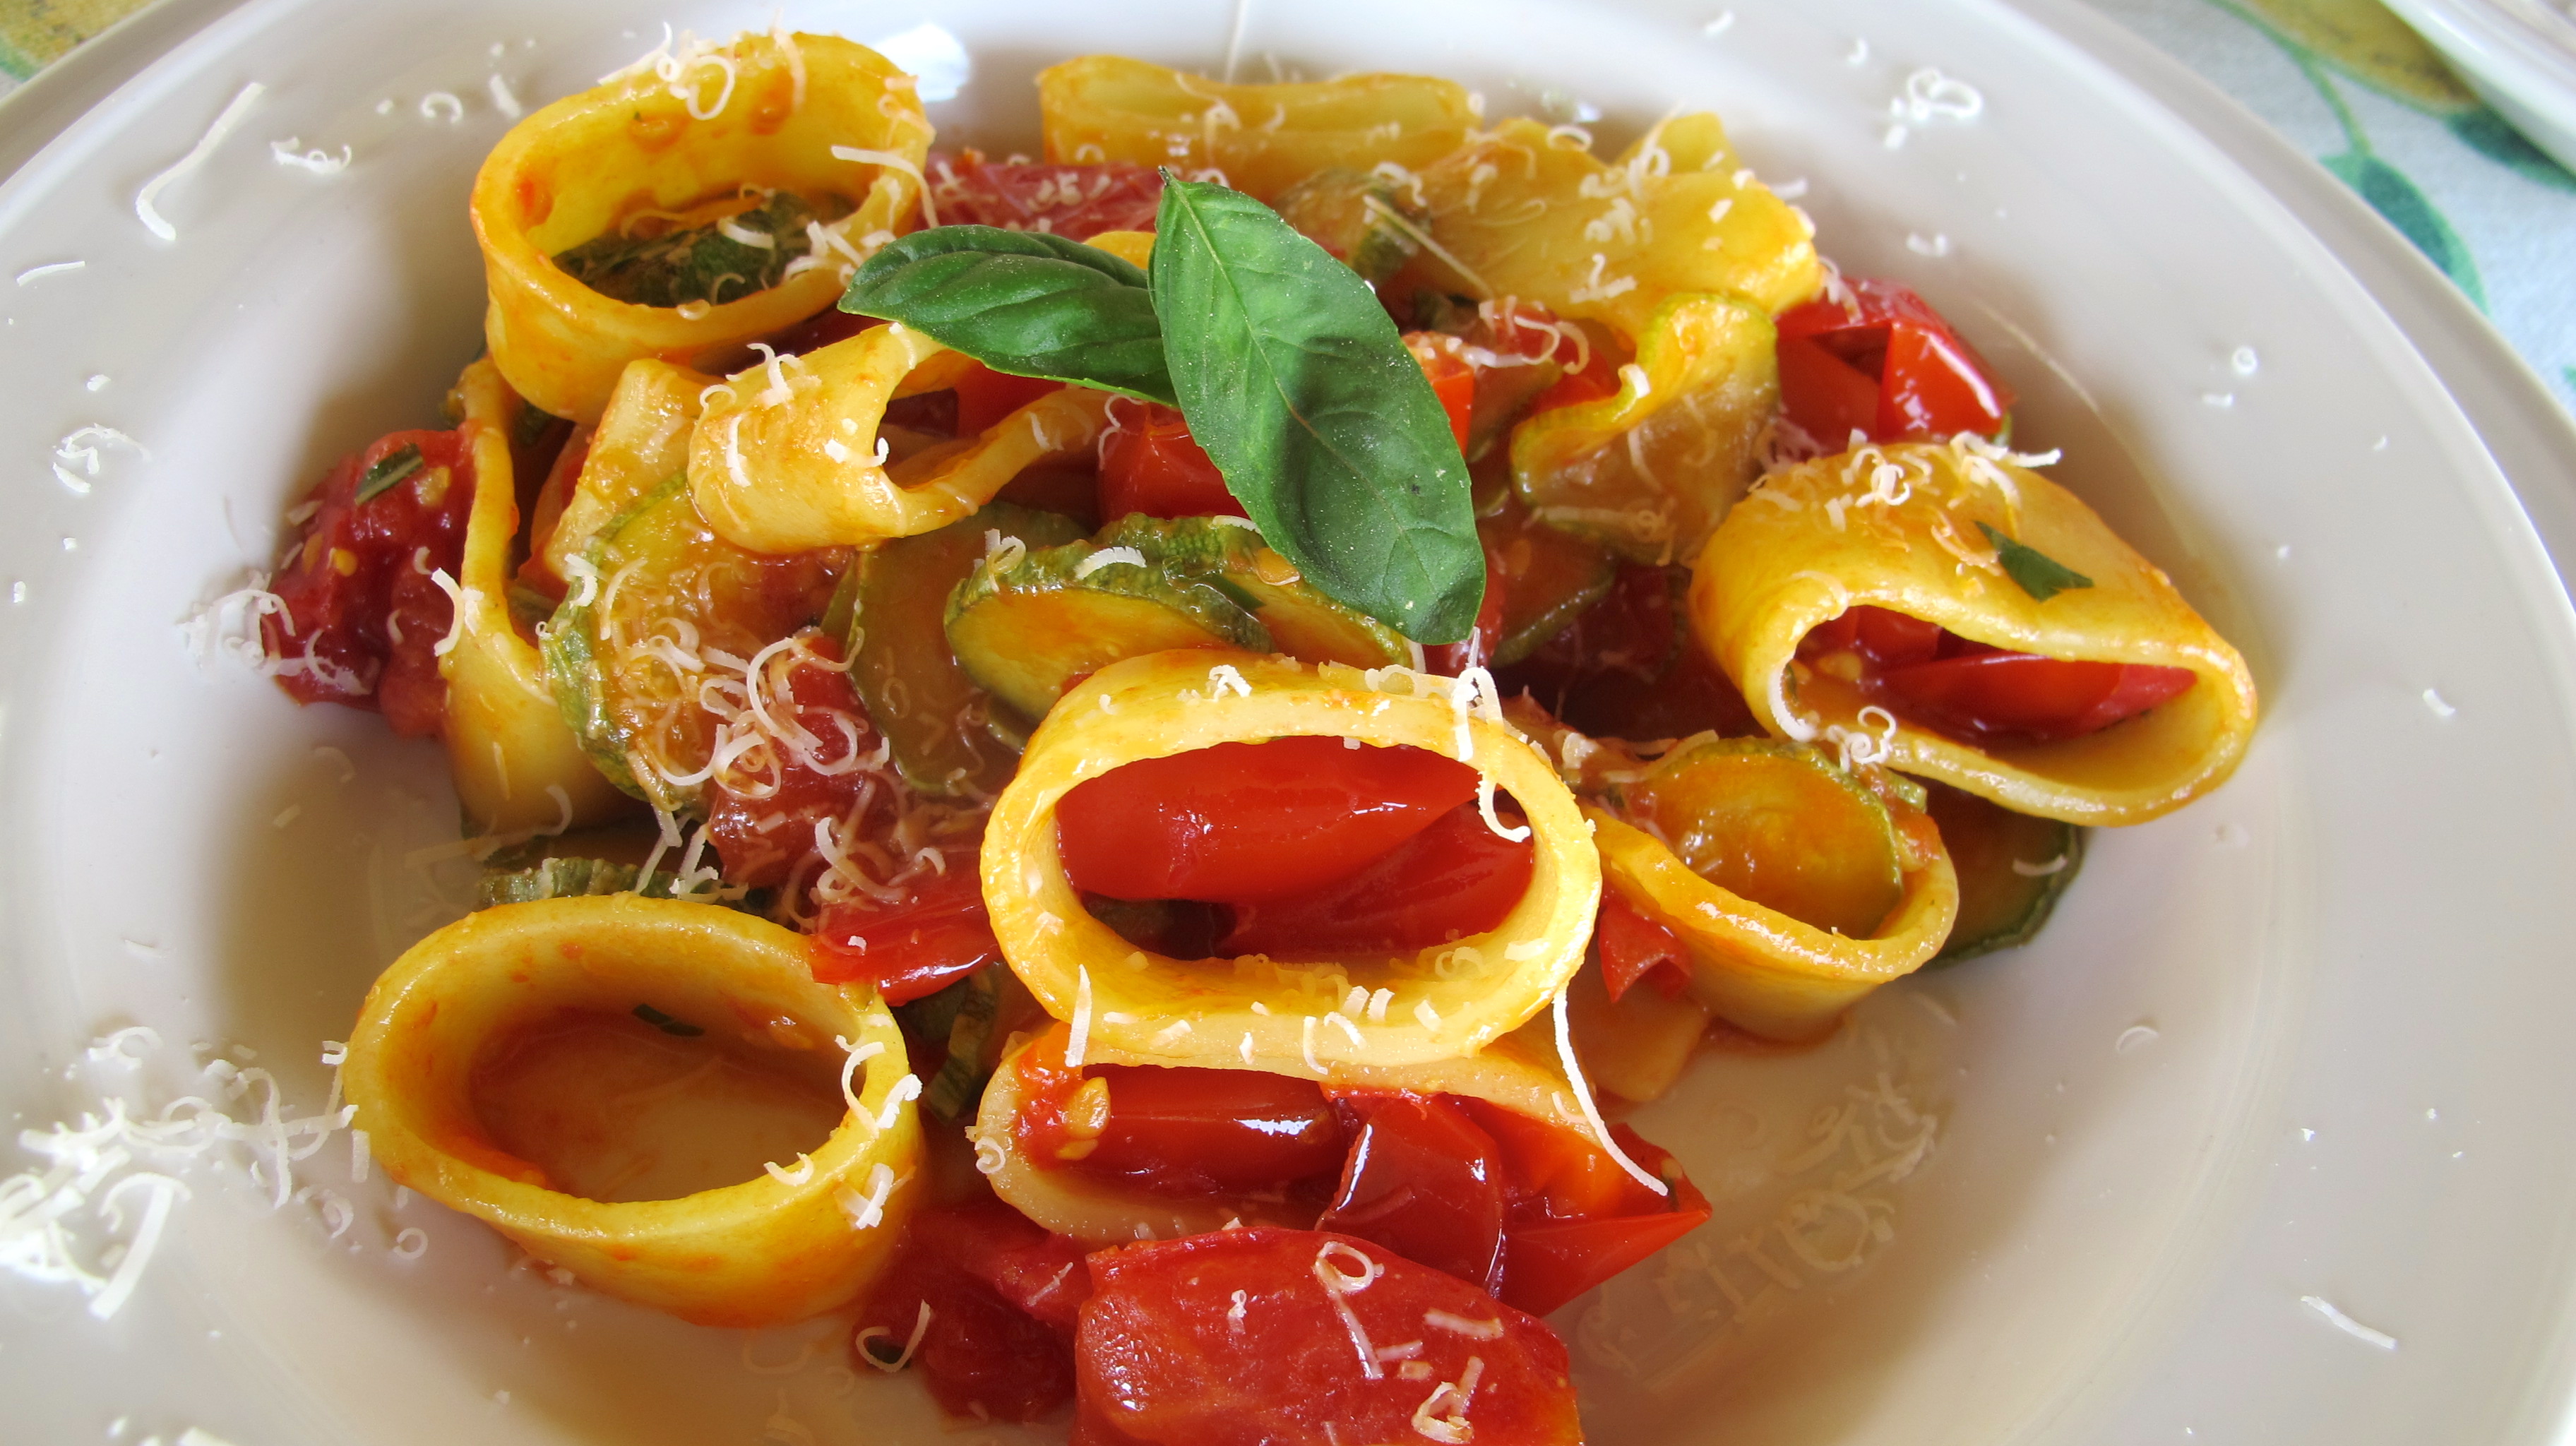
[929, 709]
[1549, 577]
[1024, 629]
[1303, 623]
[1776, 823]
[1358, 217]
[669, 588]
[2012, 868]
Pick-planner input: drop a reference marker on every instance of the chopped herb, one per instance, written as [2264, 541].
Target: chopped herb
[2040, 575]
[666, 1023]
[696, 263]
[389, 470]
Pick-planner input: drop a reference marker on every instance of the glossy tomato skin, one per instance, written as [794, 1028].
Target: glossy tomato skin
[1634, 947]
[914, 947]
[981, 1352]
[1886, 364]
[985, 396]
[1550, 1258]
[1077, 201]
[1150, 463]
[1233, 1339]
[1936, 679]
[1452, 380]
[363, 614]
[1241, 822]
[763, 827]
[1425, 1182]
[1455, 878]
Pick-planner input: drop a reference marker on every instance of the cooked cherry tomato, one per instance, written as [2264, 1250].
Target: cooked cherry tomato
[362, 611]
[1242, 822]
[998, 1292]
[1205, 1131]
[1588, 385]
[1270, 1337]
[1076, 201]
[1634, 947]
[2025, 696]
[1425, 1182]
[1452, 380]
[1549, 1258]
[985, 396]
[1455, 878]
[1888, 366]
[1150, 463]
[763, 827]
[1933, 677]
[912, 948]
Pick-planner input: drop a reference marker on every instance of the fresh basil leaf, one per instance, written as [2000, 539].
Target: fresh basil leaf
[1297, 384]
[1022, 302]
[666, 1023]
[390, 469]
[2038, 574]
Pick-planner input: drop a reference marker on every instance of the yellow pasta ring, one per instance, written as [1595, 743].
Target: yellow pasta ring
[1311, 1018]
[757, 1253]
[578, 167]
[1519, 1072]
[1761, 970]
[515, 764]
[642, 441]
[1896, 527]
[787, 456]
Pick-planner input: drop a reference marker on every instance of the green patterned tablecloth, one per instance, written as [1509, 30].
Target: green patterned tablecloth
[2345, 80]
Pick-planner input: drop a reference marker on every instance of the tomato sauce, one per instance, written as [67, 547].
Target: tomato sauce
[1075, 201]
[363, 614]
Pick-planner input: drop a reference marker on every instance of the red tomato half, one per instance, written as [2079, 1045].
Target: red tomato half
[1076, 201]
[2025, 696]
[984, 1273]
[363, 612]
[1887, 365]
[1204, 1131]
[912, 948]
[1271, 1337]
[1242, 822]
[1634, 947]
[1937, 679]
[1150, 463]
[985, 396]
[1455, 878]
[1425, 1182]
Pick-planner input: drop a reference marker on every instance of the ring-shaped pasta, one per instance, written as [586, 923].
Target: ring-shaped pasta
[778, 1247]
[1762, 970]
[581, 166]
[1897, 527]
[515, 763]
[1310, 1018]
[787, 456]
[1519, 1072]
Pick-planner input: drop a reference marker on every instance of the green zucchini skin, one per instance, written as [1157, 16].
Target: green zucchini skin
[934, 716]
[569, 643]
[1025, 627]
[2001, 907]
[1303, 623]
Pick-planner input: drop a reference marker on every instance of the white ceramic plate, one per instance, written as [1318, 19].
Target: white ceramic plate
[2519, 54]
[2299, 1043]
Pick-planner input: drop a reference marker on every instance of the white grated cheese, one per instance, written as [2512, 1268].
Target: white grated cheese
[1428, 1016]
[441, 105]
[504, 99]
[1485, 806]
[231, 116]
[866, 1212]
[2347, 1324]
[1335, 1018]
[412, 1243]
[899, 164]
[1459, 1325]
[1377, 1005]
[1339, 1285]
[1079, 1040]
[920, 1328]
[320, 162]
[1591, 1111]
[50, 268]
[1442, 1416]
[1108, 557]
[1306, 1044]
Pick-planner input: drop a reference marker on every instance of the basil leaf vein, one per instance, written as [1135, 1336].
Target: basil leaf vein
[2038, 574]
[1022, 302]
[390, 470]
[1295, 381]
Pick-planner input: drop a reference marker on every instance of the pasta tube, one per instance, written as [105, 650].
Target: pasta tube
[1859, 889]
[1263, 138]
[787, 456]
[642, 441]
[515, 763]
[828, 121]
[1519, 1072]
[1311, 1017]
[1904, 527]
[778, 1247]
[1650, 470]
[1529, 212]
